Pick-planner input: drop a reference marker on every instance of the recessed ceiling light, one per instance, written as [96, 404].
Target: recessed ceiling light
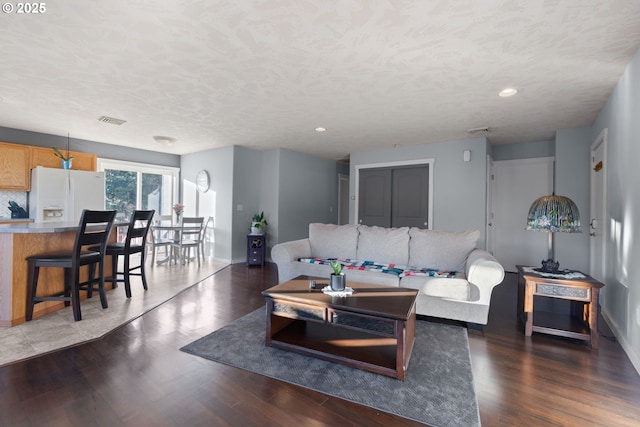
[165, 140]
[320, 129]
[507, 92]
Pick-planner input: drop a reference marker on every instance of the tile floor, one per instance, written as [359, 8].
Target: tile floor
[58, 329]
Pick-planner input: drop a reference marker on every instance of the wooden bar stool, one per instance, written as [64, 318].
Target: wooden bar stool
[94, 228]
[134, 243]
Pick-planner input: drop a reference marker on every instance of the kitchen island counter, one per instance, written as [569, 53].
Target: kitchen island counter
[19, 241]
[38, 227]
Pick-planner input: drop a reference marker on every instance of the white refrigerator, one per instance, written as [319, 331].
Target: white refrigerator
[61, 195]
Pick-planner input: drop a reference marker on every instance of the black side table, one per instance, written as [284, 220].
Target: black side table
[256, 249]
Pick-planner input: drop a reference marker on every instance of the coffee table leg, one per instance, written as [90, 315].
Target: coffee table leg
[268, 334]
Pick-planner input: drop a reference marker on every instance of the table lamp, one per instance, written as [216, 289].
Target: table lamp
[553, 214]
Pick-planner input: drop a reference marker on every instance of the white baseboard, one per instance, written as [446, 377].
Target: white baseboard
[631, 354]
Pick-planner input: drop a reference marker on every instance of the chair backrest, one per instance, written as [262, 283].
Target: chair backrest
[138, 227]
[191, 228]
[205, 226]
[94, 229]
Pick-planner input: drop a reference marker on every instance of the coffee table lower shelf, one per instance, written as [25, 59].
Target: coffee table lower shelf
[354, 348]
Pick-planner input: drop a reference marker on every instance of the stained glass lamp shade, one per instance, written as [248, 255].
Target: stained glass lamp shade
[553, 214]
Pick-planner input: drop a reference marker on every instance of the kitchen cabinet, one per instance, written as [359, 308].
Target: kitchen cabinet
[42, 156]
[14, 166]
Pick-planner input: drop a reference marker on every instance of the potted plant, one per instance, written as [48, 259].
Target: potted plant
[337, 277]
[258, 224]
[66, 160]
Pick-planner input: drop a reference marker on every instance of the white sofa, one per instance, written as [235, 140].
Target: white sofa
[465, 296]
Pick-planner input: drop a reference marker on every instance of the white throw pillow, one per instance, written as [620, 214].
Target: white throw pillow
[383, 245]
[442, 250]
[333, 241]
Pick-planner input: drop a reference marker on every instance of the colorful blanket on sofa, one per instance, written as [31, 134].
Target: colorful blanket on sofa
[395, 269]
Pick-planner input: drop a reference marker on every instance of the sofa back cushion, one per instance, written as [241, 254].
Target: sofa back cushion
[385, 245]
[333, 241]
[443, 250]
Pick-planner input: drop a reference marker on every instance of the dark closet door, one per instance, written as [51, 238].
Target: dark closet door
[410, 197]
[394, 197]
[374, 204]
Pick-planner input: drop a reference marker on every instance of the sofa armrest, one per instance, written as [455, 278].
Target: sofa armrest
[485, 272]
[286, 256]
[291, 251]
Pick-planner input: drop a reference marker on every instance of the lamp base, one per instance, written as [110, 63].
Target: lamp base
[550, 266]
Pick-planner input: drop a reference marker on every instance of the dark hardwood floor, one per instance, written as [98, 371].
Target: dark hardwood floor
[136, 376]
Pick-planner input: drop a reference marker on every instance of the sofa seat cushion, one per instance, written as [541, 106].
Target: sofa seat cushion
[442, 250]
[444, 287]
[390, 245]
[324, 270]
[330, 240]
[397, 270]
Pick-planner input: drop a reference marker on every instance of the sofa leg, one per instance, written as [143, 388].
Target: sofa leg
[476, 328]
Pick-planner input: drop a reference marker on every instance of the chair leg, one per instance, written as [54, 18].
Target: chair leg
[142, 272]
[75, 293]
[114, 272]
[68, 277]
[32, 283]
[103, 294]
[127, 275]
[91, 273]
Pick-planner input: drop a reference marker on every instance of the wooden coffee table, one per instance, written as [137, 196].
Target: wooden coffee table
[373, 329]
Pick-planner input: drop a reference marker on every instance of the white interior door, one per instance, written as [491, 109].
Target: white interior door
[515, 185]
[597, 221]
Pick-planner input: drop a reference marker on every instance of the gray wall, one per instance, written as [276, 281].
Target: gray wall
[247, 185]
[621, 295]
[308, 192]
[270, 195]
[107, 151]
[219, 163]
[572, 166]
[460, 193]
[293, 189]
[524, 150]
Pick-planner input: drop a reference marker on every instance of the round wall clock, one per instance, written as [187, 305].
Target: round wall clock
[202, 181]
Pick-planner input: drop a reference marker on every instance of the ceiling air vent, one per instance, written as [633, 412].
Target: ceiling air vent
[111, 120]
[484, 129]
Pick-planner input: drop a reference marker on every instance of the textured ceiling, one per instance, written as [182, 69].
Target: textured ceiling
[264, 74]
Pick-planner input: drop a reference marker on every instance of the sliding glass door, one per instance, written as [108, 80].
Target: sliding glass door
[130, 186]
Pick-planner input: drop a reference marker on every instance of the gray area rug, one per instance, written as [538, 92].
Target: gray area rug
[438, 390]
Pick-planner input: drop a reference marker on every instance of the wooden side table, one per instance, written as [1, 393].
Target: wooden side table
[582, 290]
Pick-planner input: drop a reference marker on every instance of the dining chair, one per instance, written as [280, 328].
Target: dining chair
[190, 236]
[159, 238]
[94, 229]
[134, 243]
[203, 238]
